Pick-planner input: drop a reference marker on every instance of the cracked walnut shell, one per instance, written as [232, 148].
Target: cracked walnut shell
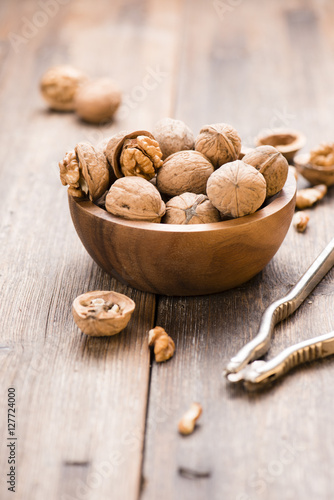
[134, 154]
[86, 171]
[173, 136]
[220, 143]
[102, 313]
[97, 101]
[59, 86]
[185, 171]
[236, 189]
[271, 164]
[135, 198]
[190, 208]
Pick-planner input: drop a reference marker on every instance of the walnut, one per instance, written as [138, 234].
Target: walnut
[135, 198]
[134, 154]
[86, 171]
[306, 198]
[300, 221]
[188, 421]
[185, 171]
[190, 208]
[173, 136]
[59, 86]
[271, 164]
[164, 346]
[220, 143]
[236, 189]
[97, 101]
[102, 313]
[323, 155]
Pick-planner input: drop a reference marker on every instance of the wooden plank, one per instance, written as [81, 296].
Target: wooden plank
[258, 66]
[81, 403]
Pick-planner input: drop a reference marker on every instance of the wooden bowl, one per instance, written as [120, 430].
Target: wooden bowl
[315, 174]
[286, 141]
[197, 259]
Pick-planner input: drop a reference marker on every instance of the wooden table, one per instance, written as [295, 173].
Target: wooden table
[97, 418]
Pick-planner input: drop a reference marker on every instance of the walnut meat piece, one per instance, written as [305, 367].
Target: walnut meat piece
[135, 198]
[173, 136]
[306, 198]
[182, 172]
[323, 155]
[102, 313]
[220, 143]
[134, 154]
[271, 164]
[236, 189]
[86, 171]
[300, 221]
[188, 421]
[190, 208]
[59, 86]
[164, 346]
[97, 101]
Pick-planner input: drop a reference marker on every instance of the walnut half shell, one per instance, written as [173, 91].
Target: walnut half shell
[102, 313]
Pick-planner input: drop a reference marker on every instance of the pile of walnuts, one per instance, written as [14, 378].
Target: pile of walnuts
[171, 177]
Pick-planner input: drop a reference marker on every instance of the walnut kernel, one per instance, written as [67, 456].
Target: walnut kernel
[173, 136]
[135, 198]
[188, 421]
[185, 171]
[323, 155]
[306, 198]
[190, 208]
[220, 143]
[300, 221]
[236, 189]
[164, 346]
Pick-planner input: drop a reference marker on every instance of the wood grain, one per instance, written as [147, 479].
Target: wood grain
[256, 68]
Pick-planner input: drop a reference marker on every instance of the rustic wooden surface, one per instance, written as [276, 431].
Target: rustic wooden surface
[95, 420]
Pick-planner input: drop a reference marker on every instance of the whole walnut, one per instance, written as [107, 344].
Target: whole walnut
[86, 171]
[173, 136]
[135, 198]
[190, 208]
[97, 101]
[185, 171]
[59, 86]
[134, 154]
[236, 189]
[220, 143]
[271, 164]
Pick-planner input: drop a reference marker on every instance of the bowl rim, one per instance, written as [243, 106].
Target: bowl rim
[277, 203]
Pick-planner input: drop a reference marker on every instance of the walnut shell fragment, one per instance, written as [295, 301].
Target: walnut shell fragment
[173, 136]
[97, 101]
[306, 198]
[271, 164]
[164, 346]
[102, 313]
[190, 208]
[185, 171]
[86, 171]
[134, 154]
[236, 189]
[220, 143]
[59, 86]
[134, 198]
